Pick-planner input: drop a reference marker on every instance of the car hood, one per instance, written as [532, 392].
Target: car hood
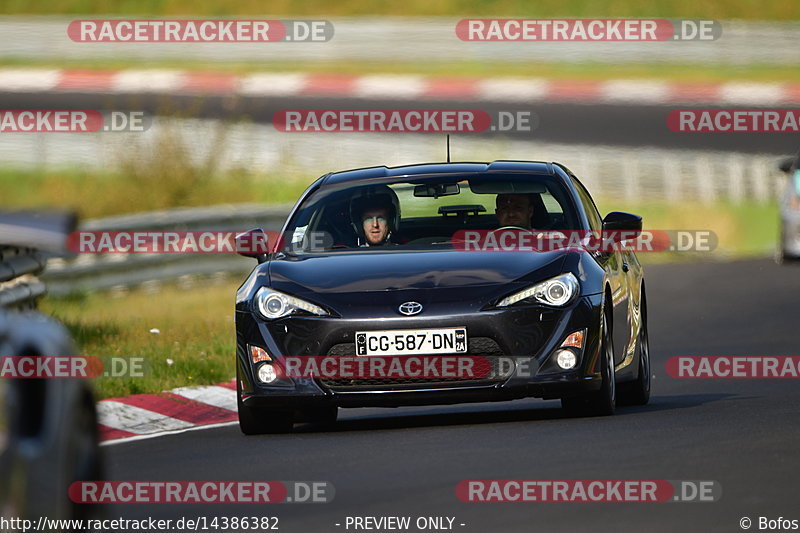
[362, 279]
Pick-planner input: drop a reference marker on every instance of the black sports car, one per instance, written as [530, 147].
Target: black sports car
[377, 263]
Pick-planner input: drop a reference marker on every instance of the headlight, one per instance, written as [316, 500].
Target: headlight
[272, 304]
[558, 291]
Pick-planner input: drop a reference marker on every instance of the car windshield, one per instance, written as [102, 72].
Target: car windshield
[425, 212]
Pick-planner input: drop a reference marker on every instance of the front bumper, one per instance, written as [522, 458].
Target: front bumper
[528, 335]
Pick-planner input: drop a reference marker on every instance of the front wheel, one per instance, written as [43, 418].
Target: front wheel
[604, 401]
[638, 391]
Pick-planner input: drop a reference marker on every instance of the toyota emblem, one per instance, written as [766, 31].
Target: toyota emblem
[410, 308]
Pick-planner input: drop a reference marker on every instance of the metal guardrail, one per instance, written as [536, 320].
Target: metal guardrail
[19, 287]
[648, 173]
[89, 272]
[26, 238]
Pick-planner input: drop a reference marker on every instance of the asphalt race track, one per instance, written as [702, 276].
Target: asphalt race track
[744, 434]
[624, 125]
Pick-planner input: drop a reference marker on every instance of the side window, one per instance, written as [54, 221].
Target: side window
[551, 204]
[595, 220]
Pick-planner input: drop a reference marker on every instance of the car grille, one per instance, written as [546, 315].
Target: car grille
[477, 346]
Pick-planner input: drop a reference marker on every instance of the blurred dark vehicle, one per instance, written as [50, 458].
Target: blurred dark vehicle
[48, 427]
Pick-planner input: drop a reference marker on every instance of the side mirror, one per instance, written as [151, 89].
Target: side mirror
[786, 164]
[622, 226]
[253, 243]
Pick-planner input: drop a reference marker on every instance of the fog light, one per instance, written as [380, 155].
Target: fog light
[267, 374]
[566, 359]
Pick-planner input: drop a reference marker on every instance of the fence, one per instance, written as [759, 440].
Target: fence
[646, 173]
[120, 271]
[26, 239]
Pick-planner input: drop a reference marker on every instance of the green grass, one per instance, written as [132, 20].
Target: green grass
[733, 9]
[196, 333]
[148, 177]
[101, 194]
[560, 71]
[743, 230]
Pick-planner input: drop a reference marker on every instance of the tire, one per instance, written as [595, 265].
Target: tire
[638, 391]
[260, 421]
[604, 401]
[83, 452]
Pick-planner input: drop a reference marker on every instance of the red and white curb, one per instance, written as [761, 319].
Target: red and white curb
[408, 87]
[175, 411]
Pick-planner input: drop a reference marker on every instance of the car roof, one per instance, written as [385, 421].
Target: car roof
[535, 167]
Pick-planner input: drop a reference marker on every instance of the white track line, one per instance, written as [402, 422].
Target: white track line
[408, 87]
[272, 84]
[752, 93]
[513, 90]
[147, 81]
[212, 395]
[29, 80]
[135, 419]
[164, 433]
[635, 91]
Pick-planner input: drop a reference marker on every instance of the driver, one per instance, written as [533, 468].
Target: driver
[375, 224]
[514, 210]
[374, 217]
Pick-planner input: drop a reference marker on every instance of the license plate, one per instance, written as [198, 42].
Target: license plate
[411, 341]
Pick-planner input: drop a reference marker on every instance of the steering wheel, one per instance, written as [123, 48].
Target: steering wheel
[511, 227]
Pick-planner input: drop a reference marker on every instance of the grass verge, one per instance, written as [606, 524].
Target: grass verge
[94, 195]
[741, 230]
[732, 9]
[195, 345]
